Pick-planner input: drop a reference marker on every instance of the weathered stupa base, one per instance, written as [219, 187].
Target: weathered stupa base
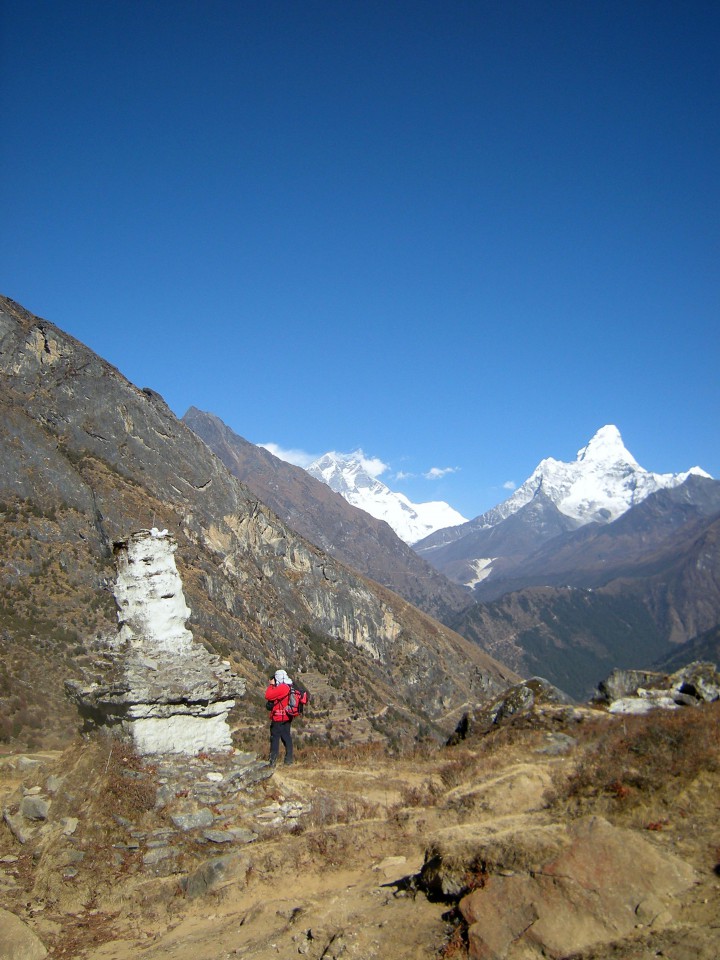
[180, 734]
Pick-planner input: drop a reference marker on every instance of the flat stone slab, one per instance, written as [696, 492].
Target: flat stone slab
[600, 884]
[192, 821]
[35, 807]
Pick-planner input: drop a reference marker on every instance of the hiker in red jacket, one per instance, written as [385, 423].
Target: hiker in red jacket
[277, 696]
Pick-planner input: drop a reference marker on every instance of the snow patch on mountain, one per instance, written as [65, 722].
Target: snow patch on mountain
[348, 475]
[601, 484]
[482, 567]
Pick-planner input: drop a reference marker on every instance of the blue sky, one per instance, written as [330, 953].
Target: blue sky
[458, 235]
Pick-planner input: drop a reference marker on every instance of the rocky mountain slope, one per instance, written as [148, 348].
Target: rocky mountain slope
[328, 520]
[570, 636]
[614, 595]
[88, 458]
[704, 648]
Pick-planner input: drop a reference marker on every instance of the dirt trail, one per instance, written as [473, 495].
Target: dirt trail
[338, 884]
[337, 889]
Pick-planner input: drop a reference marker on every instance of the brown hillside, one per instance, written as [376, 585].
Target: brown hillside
[86, 458]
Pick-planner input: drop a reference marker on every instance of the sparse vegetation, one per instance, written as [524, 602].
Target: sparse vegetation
[327, 809]
[366, 806]
[128, 785]
[643, 756]
[426, 794]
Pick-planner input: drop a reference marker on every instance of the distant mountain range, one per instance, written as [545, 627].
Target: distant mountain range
[603, 483]
[346, 475]
[588, 566]
[642, 589]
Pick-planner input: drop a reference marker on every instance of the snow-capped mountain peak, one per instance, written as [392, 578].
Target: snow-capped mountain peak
[601, 484]
[607, 447]
[347, 474]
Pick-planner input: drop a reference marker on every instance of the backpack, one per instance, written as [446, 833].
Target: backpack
[296, 702]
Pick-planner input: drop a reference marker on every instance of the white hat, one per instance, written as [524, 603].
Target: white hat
[282, 677]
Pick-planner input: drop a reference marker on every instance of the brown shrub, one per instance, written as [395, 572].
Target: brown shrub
[128, 787]
[639, 755]
[329, 847]
[351, 753]
[458, 770]
[326, 810]
[427, 794]
[456, 945]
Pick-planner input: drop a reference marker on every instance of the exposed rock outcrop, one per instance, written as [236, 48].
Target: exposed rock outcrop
[602, 884]
[638, 691]
[168, 693]
[552, 890]
[518, 700]
[17, 940]
[329, 521]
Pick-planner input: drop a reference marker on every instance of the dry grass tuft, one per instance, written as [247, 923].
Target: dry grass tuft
[128, 788]
[456, 945]
[326, 810]
[427, 794]
[364, 754]
[458, 770]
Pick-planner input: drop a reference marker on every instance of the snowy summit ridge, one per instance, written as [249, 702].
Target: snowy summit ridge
[601, 484]
[346, 474]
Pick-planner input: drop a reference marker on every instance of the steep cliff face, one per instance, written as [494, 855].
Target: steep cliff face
[87, 458]
[316, 512]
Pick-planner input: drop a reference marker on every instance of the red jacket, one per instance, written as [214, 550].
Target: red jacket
[279, 695]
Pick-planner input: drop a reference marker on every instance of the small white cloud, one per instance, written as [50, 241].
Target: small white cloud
[402, 475]
[372, 465]
[509, 485]
[435, 473]
[297, 457]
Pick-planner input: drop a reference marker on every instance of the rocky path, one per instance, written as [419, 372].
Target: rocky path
[321, 860]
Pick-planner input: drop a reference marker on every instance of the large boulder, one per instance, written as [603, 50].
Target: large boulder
[626, 683]
[639, 691]
[17, 941]
[553, 890]
[520, 699]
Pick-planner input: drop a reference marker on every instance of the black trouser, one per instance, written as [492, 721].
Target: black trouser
[280, 730]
